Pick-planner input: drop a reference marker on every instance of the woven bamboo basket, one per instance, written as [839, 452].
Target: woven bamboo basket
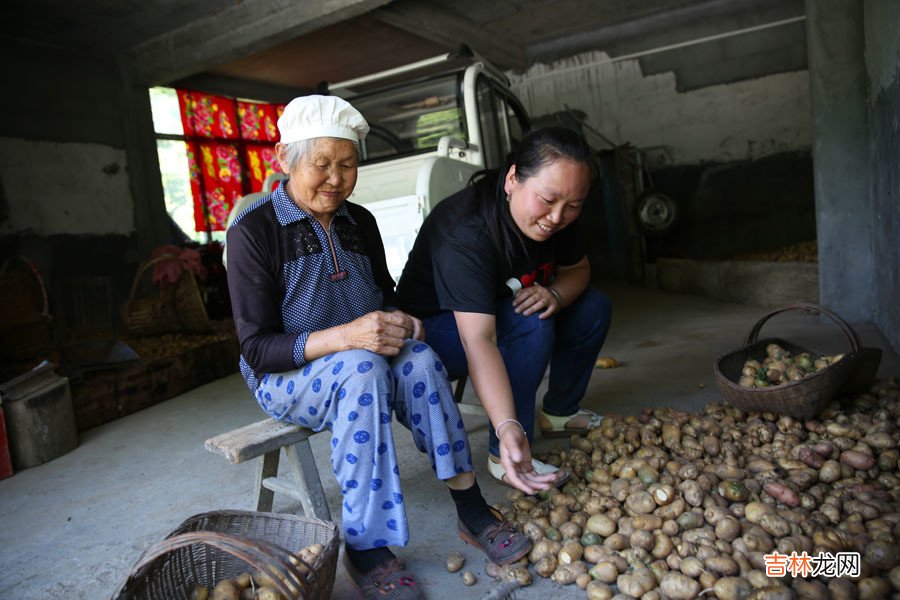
[175, 309]
[807, 397]
[213, 546]
[26, 327]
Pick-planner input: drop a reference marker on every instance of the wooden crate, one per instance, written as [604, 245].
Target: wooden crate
[103, 396]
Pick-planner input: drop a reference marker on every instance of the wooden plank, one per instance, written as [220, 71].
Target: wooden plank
[306, 478]
[268, 467]
[237, 31]
[257, 439]
[444, 26]
[282, 485]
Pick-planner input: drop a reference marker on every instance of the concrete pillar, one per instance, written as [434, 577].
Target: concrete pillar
[882, 18]
[844, 212]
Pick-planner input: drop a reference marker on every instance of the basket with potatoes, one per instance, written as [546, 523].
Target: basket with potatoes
[774, 375]
[238, 555]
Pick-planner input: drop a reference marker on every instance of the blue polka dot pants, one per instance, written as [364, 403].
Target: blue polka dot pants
[353, 394]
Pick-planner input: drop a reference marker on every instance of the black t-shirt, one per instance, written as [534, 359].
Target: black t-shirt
[454, 264]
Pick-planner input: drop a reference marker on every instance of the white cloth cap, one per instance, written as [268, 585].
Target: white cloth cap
[310, 117]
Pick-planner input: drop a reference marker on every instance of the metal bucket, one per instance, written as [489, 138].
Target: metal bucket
[40, 421]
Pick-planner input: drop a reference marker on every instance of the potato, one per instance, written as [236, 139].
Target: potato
[570, 553]
[691, 566]
[728, 529]
[662, 546]
[520, 575]
[882, 555]
[604, 571]
[616, 541]
[242, 581]
[723, 565]
[597, 590]
[564, 575]
[583, 580]
[469, 578]
[857, 460]
[690, 520]
[267, 593]
[601, 525]
[782, 493]
[544, 548]
[570, 530]
[640, 503]
[872, 588]
[679, 587]
[546, 566]
[732, 588]
[200, 593]
[631, 585]
[226, 590]
[455, 562]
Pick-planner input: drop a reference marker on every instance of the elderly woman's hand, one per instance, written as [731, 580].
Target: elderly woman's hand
[382, 332]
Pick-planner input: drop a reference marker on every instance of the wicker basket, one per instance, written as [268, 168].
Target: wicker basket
[807, 397]
[26, 327]
[213, 546]
[175, 309]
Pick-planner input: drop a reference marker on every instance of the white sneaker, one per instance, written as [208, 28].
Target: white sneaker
[541, 468]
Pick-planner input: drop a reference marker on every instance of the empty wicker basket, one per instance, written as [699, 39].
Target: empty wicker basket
[209, 547]
[807, 397]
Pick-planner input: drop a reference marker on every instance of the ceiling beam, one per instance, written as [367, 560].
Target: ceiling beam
[238, 31]
[223, 85]
[700, 18]
[429, 20]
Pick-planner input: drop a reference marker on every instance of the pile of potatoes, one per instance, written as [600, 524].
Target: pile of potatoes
[259, 586]
[779, 367]
[677, 505]
[802, 252]
[171, 344]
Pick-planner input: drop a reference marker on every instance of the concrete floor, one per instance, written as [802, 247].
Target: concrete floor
[72, 528]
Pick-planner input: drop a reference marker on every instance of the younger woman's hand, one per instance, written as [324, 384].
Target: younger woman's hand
[532, 299]
[515, 457]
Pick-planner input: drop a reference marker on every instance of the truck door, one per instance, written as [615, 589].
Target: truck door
[502, 121]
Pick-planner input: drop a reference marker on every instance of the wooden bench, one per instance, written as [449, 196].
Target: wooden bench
[265, 440]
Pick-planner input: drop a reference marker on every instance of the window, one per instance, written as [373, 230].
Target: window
[410, 119]
[212, 151]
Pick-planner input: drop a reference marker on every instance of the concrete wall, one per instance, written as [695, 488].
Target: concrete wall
[724, 124]
[86, 194]
[744, 120]
[80, 192]
[882, 52]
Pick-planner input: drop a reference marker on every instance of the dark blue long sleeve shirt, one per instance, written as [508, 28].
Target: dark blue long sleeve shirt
[288, 278]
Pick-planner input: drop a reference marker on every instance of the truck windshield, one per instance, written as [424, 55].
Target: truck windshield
[410, 119]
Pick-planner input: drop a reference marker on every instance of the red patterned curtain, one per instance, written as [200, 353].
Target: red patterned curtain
[223, 165]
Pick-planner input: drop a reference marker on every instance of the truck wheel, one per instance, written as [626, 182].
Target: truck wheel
[656, 213]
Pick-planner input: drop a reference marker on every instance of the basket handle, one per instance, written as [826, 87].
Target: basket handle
[45, 311]
[142, 269]
[845, 327]
[249, 552]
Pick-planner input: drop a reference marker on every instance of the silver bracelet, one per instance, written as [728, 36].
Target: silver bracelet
[505, 422]
[556, 295]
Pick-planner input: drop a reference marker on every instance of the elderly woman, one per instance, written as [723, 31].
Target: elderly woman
[323, 347]
[499, 275]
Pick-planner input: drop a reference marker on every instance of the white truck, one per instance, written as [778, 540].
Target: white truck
[433, 124]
